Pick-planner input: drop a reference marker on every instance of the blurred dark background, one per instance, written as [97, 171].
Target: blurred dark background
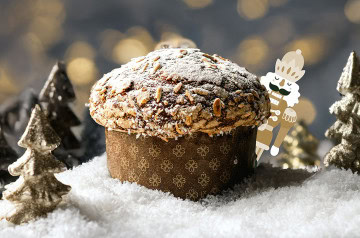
[93, 37]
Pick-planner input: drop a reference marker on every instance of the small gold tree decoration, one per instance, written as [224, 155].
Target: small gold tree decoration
[346, 128]
[300, 148]
[55, 98]
[37, 191]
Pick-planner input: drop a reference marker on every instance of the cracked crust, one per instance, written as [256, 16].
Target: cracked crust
[173, 92]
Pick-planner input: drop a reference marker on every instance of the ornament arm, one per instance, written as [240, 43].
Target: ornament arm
[281, 136]
[288, 119]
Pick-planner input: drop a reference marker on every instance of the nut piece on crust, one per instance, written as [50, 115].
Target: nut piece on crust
[177, 87]
[168, 96]
[158, 94]
[217, 107]
[189, 96]
[143, 97]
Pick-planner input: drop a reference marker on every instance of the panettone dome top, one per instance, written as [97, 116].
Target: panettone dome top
[171, 92]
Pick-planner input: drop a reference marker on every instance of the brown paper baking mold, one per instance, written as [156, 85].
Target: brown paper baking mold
[190, 167]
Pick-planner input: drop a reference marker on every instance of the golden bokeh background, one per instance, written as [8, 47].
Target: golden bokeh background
[94, 37]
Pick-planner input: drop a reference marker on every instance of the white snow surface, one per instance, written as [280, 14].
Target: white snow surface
[273, 203]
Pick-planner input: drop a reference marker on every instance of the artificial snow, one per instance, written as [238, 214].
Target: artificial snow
[273, 203]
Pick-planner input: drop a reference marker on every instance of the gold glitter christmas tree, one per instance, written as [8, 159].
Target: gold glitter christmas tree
[37, 191]
[346, 128]
[300, 148]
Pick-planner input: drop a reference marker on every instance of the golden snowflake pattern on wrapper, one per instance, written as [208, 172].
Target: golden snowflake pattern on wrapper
[133, 177]
[124, 162]
[143, 165]
[154, 151]
[214, 164]
[225, 176]
[179, 151]
[203, 180]
[155, 180]
[167, 166]
[179, 181]
[190, 136]
[203, 150]
[191, 166]
[225, 148]
[192, 194]
[133, 150]
[123, 135]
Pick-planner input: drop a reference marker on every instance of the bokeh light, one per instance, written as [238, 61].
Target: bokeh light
[195, 4]
[47, 29]
[49, 16]
[7, 85]
[305, 110]
[82, 71]
[313, 48]
[80, 49]
[252, 52]
[137, 41]
[352, 10]
[252, 9]
[33, 43]
[127, 49]
[108, 39]
[50, 8]
[80, 63]
[168, 34]
[141, 34]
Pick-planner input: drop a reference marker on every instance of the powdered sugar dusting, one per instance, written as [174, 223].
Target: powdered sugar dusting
[190, 82]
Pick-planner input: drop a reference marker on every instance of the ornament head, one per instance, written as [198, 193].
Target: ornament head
[290, 67]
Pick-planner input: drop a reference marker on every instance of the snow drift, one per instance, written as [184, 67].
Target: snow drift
[273, 203]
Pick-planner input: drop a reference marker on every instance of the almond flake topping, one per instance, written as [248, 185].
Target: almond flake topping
[177, 87]
[217, 107]
[158, 94]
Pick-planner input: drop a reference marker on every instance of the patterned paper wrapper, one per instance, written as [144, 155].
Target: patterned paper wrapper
[190, 167]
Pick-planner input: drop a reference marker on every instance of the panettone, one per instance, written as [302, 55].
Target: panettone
[178, 100]
[172, 92]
